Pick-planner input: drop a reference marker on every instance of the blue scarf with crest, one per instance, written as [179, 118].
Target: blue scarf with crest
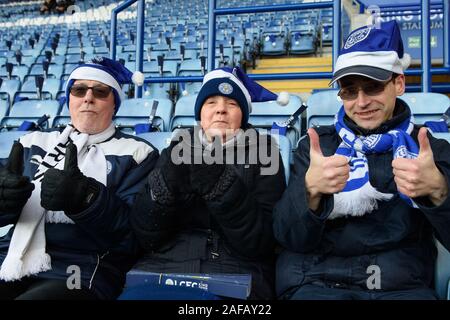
[358, 196]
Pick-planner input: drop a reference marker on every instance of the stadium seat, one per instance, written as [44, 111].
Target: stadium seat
[322, 106]
[160, 140]
[4, 108]
[50, 88]
[183, 116]
[426, 106]
[9, 89]
[442, 272]
[134, 111]
[30, 110]
[264, 114]
[7, 139]
[285, 151]
[273, 41]
[63, 118]
[157, 90]
[303, 39]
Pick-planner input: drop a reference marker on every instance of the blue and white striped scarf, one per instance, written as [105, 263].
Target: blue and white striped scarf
[358, 196]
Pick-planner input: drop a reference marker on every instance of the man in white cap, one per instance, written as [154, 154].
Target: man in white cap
[367, 193]
[68, 195]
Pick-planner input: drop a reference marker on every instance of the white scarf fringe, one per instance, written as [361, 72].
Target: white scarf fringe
[357, 202]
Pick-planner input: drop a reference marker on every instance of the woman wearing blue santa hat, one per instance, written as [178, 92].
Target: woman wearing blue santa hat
[68, 194]
[199, 215]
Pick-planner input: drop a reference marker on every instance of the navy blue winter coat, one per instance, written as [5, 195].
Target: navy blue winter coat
[337, 253]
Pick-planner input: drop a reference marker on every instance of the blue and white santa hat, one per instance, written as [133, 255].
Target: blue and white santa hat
[374, 51]
[235, 84]
[107, 71]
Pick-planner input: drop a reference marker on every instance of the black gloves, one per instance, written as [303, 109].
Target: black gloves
[68, 189]
[176, 177]
[15, 189]
[203, 177]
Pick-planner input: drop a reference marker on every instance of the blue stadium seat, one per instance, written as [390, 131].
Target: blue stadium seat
[160, 140]
[285, 151]
[303, 39]
[322, 106]
[63, 118]
[264, 114]
[274, 41]
[50, 88]
[156, 90]
[7, 139]
[183, 116]
[8, 89]
[442, 271]
[4, 108]
[426, 106]
[134, 111]
[30, 110]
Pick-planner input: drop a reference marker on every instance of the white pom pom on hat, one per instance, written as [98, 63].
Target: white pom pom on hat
[138, 78]
[283, 98]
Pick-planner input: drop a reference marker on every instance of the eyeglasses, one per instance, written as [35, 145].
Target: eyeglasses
[99, 92]
[370, 88]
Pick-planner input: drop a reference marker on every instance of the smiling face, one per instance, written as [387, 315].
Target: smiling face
[220, 116]
[90, 114]
[370, 111]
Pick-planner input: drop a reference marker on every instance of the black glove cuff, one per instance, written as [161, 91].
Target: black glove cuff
[159, 190]
[225, 181]
[92, 191]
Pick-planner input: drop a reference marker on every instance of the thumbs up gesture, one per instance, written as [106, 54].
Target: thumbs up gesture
[15, 189]
[420, 177]
[325, 175]
[69, 189]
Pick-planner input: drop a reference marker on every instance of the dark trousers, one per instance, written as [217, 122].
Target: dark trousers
[42, 289]
[321, 292]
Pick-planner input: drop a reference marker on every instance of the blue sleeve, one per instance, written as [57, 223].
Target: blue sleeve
[296, 226]
[439, 216]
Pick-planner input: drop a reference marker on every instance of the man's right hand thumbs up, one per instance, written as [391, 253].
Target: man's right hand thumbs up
[68, 190]
[15, 189]
[325, 175]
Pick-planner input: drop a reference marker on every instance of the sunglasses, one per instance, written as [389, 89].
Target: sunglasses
[370, 88]
[99, 92]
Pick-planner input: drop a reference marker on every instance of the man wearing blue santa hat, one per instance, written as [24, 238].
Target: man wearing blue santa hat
[212, 217]
[367, 193]
[68, 196]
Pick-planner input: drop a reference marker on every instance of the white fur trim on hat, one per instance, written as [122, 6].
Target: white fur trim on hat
[93, 73]
[215, 74]
[386, 60]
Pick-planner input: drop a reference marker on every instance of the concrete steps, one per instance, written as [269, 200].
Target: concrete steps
[293, 64]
